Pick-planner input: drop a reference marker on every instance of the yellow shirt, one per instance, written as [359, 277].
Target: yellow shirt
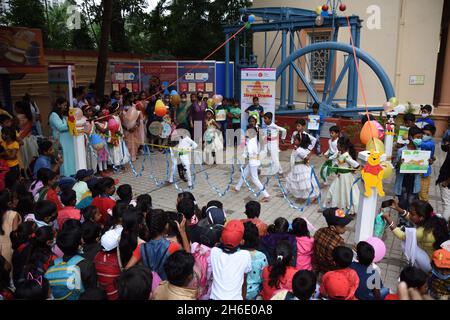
[12, 146]
[425, 240]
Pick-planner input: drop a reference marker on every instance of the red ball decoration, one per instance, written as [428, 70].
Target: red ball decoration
[325, 7]
[342, 7]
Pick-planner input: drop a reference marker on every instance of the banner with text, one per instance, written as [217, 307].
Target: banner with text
[194, 76]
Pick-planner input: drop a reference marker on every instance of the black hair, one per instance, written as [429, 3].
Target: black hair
[172, 229]
[212, 203]
[5, 198]
[125, 192]
[268, 115]
[365, 118]
[414, 277]
[39, 251]
[156, 222]
[45, 175]
[4, 117]
[252, 209]
[409, 117]
[144, 203]
[255, 97]
[304, 284]
[24, 108]
[45, 209]
[32, 289]
[26, 203]
[304, 139]
[88, 213]
[251, 236]
[10, 133]
[413, 131]
[365, 253]
[104, 184]
[11, 178]
[44, 146]
[280, 225]
[22, 234]
[431, 128]
[69, 240]
[300, 228]
[342, 256]
[346, 144]
[58, 101]
[90, 232]
[179, 268]
[301, 122]
[335, 129]
[431, 223]
[426, 107]
[315, 105]
[387, 203]
[68, 197]
[94, 294]
[41, 174]
[135, 283]
[283, 257]
[187, 208]
[129, 236]
[117, 213]
[71, 224]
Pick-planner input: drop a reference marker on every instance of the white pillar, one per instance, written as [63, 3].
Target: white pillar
[80, 146]
[367, 209]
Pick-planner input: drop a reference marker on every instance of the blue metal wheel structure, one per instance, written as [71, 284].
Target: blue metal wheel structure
[286, 23]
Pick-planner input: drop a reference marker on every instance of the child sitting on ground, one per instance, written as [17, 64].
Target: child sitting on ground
[252, 211]
[440, 278]
[68, 199]
[230, 265]
[276, 232]
[304, 286]
[125, 194]
[305, 244]
[370, 284]
[328, 238]
[259, 260]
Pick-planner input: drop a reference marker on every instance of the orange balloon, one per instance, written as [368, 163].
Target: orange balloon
[368, 131]
[175, 99]
[160, 108]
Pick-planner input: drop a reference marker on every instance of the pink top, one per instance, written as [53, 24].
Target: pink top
[304, 253]
[67, 213]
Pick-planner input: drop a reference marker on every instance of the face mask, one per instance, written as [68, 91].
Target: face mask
[426, 137]
[417, 142]
[424, 115]
[183, 100]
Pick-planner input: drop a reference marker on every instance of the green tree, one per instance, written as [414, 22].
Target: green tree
[27, 13]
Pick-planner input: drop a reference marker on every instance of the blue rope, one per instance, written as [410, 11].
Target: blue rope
[256, 194]
[213, 187]
[151, 175]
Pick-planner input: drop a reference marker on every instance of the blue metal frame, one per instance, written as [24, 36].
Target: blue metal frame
[291, 20]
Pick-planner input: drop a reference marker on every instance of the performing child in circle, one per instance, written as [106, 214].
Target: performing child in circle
[182, 151]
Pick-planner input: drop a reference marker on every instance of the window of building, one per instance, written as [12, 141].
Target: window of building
[318, 60]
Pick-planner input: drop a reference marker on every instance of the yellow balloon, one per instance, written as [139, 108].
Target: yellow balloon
[393, 101]
[159, 104]
[319, 10]
[210, 103]
[375, 144]
[388, 169]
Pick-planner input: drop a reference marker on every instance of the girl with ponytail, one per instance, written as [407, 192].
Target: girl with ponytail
[279, 275]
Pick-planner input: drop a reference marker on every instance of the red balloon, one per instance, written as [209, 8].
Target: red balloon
[342, 7]
[325, 7]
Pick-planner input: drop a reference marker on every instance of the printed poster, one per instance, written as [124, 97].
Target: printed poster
[125, 74]
[60, 82]
[313, 122]
[200, 76]
[415, 161]
[154, 71]
[403, 135]
[259, 82]
[221, 115]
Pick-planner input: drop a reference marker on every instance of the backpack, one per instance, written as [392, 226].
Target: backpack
[65, 279]
[202, 270]
[154, 255]
[108, 271]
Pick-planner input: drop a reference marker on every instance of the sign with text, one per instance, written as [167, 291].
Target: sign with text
[197, 76]
[415, 161]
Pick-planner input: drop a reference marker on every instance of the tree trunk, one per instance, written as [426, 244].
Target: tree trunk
[102, 62]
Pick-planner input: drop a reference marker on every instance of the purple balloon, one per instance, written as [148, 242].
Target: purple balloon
[379, 247]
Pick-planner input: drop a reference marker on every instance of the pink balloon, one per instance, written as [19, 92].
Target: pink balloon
[113, 125]
[379, 247]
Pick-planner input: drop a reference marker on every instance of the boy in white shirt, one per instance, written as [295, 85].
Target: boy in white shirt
[333, 151]
[230, 265]
[301, 125]
[183, 152]
[272, 144]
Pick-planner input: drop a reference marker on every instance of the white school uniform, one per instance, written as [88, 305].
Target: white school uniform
[271, 138]
[299, 181]
[252, 150]
[183, 152]
[332, 151]
[312, 138]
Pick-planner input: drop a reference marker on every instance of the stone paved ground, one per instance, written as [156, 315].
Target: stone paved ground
[164, 197]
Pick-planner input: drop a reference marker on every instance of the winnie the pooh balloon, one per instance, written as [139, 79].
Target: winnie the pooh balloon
[372, 174]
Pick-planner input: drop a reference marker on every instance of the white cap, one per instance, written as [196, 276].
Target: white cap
[110, 240]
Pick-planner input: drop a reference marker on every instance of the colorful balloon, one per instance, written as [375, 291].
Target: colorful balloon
[319, 10]
[379, 247]
[173, 92]
[113, 125]
[175, 100]
[375, 144]
[368, 131]
[210, 102]
[388, 169]
[251, 18]
[394, 101]
[160, 108]
[248, 25]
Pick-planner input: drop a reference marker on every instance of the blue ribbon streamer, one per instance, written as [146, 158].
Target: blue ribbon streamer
[256, 194]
